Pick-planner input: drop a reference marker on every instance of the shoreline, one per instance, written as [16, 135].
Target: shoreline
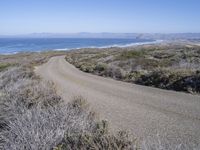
[155, 42]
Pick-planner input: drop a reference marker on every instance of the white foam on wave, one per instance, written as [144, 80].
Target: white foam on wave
[126, 45]
[62, 49]
[10, 53]
[114, 45]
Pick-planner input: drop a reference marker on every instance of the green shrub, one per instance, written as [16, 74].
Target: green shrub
[189, 84]
[114, 72]
[87, 68]
[133, 76]
[100, 67]
[178, 81]
[98, 141]
[131, 54]
[4, 66]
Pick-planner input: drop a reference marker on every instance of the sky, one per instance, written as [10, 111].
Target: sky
[117, 16]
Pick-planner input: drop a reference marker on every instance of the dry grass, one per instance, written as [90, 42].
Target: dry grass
[34, 117]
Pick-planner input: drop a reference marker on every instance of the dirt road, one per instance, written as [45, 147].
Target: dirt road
[144, 111]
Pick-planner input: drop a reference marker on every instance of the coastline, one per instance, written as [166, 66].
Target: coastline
[155, 42]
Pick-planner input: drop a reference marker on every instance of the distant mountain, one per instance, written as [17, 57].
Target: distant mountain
[74, 35]
[171, 36]
[157, 36]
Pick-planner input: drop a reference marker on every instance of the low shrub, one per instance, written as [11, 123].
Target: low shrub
[87, 68]
[178, 81]
[22, 89]
[12, 75]
[100, 67]
[133, 76]
[131, 54]
[156, 78]
[44, 128]
[189, 84]
[98, 140]
[3, 66]
[114, 72]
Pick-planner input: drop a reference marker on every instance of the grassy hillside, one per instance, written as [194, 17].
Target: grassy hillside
[167, 66]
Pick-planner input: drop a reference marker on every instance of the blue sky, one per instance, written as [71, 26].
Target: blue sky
[70, 16]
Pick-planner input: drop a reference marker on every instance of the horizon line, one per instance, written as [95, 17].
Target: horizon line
[99, 33]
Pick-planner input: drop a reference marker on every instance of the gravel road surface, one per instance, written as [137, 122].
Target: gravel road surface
[144, 111]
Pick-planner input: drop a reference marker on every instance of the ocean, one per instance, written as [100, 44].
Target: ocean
[16, 45]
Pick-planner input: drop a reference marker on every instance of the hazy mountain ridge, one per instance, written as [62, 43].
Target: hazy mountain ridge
[158, 36]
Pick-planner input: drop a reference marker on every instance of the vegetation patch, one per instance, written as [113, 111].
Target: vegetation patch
[172, 67]
[4, 66]
[131, 54]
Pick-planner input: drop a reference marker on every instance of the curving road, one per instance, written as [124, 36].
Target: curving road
[144, 111]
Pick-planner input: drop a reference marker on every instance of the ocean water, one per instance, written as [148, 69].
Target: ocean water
[16, 45]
